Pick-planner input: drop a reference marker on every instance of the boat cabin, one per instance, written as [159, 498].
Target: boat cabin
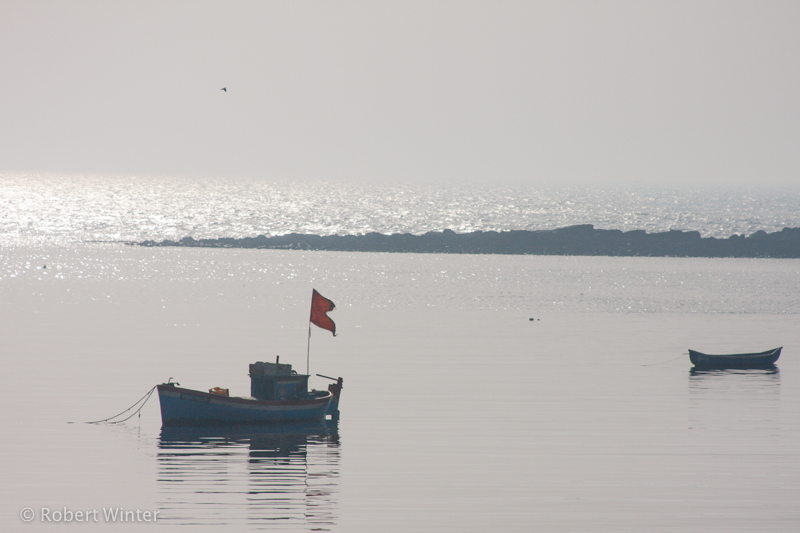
[274, 381]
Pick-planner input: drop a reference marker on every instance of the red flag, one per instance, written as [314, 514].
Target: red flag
[319, 309]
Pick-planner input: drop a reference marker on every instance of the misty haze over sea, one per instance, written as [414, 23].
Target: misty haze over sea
[52, 209]
[487, 387]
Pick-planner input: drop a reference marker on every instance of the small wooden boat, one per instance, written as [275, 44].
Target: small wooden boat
[277, 394]
[739, 360]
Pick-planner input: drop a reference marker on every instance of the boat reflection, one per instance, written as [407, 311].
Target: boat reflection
[283, 476]
[755, 372]
[735, 382]
[735, 402]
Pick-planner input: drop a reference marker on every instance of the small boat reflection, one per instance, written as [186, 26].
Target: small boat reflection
[730, 405]
[251, 475]
[771, 370]
[735, 380]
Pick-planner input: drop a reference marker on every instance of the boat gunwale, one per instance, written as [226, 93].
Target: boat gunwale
[766, 353]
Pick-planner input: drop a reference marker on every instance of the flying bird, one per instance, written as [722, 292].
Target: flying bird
[224, 89]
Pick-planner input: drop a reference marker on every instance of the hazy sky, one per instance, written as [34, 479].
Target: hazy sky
[545, 93]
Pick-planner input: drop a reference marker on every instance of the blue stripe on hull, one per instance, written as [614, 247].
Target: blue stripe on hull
[184, 407]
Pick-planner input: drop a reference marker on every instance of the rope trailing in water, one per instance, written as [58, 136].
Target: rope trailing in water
[668, 361]
[111, 420]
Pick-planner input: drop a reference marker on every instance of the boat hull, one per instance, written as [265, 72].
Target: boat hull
[186, 407]
[740, 360]
[247, 432]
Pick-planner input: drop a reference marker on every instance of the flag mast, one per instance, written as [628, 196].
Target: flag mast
[308, 349]
[319, 317]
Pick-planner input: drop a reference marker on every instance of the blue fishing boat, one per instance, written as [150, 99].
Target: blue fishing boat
[738, 360]
[277, 394]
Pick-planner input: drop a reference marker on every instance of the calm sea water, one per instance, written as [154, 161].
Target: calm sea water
[459, 413]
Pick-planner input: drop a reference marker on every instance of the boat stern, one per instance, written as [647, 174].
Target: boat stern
[336, 390]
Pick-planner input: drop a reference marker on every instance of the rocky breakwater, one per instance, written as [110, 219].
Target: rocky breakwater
[573, 240]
